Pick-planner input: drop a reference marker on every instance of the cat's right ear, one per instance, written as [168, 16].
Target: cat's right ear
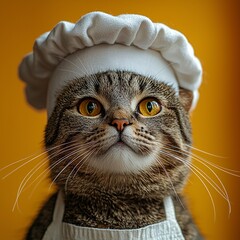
[186, 98]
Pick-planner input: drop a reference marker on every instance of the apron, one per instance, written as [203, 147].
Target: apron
[164, 230]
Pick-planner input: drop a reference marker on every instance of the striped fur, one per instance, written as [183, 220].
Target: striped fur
[128, 196]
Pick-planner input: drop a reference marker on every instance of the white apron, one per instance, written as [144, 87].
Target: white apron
[165, 230]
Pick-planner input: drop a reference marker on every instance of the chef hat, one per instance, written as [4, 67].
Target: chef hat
[99, 42]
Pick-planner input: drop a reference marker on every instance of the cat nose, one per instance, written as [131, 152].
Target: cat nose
[120, 123]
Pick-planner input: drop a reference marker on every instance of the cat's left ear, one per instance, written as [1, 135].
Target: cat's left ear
[186, 98]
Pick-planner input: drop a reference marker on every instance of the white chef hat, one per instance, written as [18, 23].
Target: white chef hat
[100, 42]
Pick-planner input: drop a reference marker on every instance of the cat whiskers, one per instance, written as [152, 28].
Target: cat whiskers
[46, 171]
[221, 168]
[76, 152]
[164, 169]
[32, 158]
[223, 191]
[208, 153]
[31, 173]
[197, 172]
[65, 167]
[79, 165]
[200, 159]
[87, 157]
[201, 174]
[74, 147]
[174, 190]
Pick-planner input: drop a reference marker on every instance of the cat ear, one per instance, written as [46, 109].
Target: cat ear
[186, 98]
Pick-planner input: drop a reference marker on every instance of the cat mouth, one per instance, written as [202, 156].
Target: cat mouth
[120, 144]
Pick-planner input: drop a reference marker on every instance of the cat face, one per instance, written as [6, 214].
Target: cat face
[117, 123]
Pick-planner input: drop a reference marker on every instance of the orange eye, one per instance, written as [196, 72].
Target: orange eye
[90, 107]
[149, 107]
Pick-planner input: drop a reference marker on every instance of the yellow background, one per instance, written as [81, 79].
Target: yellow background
[212, 26]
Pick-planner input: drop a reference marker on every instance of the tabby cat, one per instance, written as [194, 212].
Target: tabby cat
[118, 143]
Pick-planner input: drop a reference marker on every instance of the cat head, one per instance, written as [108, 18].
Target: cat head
[115, 129]
[119, 125]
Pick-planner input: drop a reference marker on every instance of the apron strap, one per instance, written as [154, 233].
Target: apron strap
[169, 208]
[59, 208]
[55, 228]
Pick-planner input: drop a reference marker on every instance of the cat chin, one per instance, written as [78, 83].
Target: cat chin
[121, 159]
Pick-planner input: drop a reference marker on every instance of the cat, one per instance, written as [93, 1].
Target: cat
[118, 143]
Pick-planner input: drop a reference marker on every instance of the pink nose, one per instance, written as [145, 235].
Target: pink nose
[120, 124]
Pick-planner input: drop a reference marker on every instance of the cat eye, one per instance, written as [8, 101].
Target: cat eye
[149, 107]
[89, 107]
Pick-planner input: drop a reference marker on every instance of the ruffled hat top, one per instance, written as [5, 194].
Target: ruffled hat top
[96, 29]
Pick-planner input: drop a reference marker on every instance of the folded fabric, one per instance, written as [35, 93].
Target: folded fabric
[97, 28]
